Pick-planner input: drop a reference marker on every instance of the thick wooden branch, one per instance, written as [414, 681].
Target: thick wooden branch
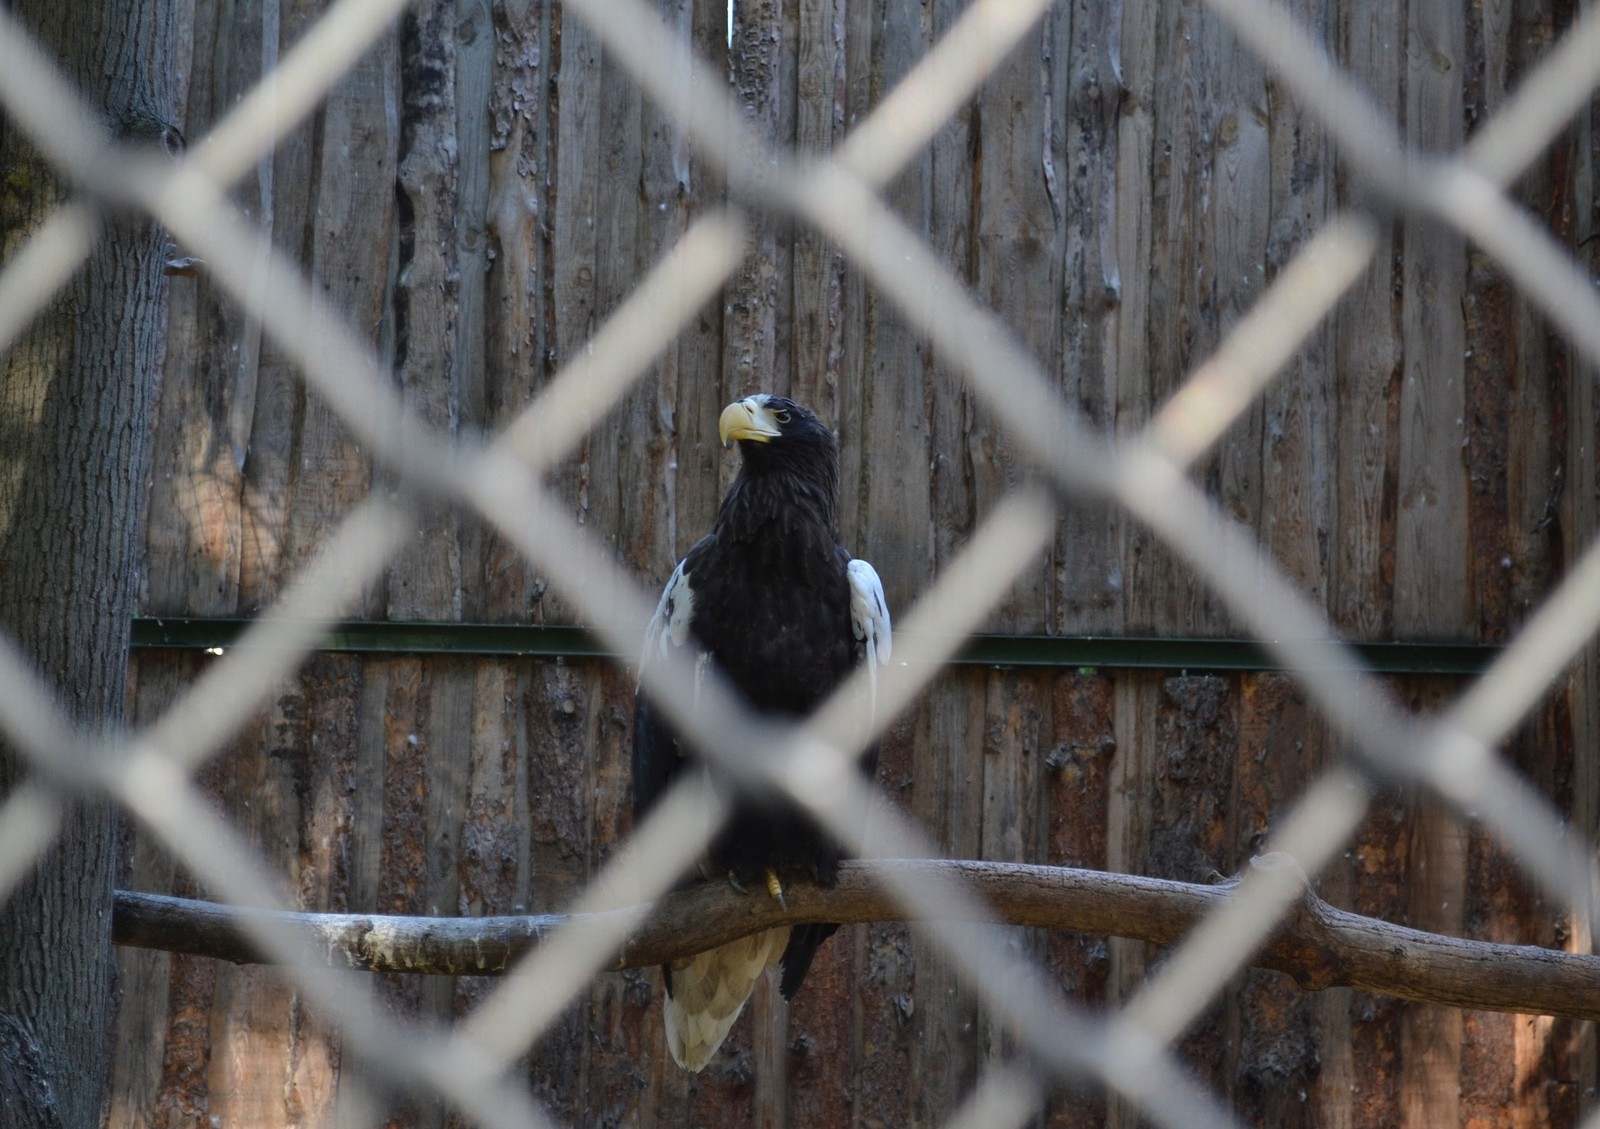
[1318, 945]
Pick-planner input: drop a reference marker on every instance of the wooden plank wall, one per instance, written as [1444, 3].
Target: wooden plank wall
[487, 185]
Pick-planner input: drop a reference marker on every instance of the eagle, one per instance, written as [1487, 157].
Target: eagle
[776, 602]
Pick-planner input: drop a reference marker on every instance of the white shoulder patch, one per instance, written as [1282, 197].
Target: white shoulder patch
[670, 625]
[869, 612]
[869, 620]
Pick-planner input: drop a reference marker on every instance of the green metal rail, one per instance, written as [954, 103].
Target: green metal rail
[1066, 651]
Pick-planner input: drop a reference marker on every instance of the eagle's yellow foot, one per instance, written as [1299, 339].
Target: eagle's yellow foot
[775, 888]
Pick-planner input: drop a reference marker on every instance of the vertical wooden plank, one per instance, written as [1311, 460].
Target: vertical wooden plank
[626, 453]
[193, 534]
[1432, 594]
[706, 385]
[1130, 353]
[1515, 447]
[752, 301]
[473, 55]
[424, 580]
[270, 416]
[816, 340]
[1191, 795]
[1134, 697]
[1161, 190]
[620, 455]
[1296, 474]
[1379, 860]
[948, 803]
[887, 511]
[403, 878]
[1085, 90]
[251, 1010]
[1360, 1033]
[862, 50]
[1433, 598]
[1275, 1023]
[622, 1027]
[883, 1052]
[1367, 349]
[349, 230]
[1171, 783]
[160, 1050]
[575, 101]
[325, 775]
[611, 1079]
[1431, 1036]
[553, 709]
[1500, 1052]
[1016, 725]
[1016, 273]
[1244, 170]
[367, 802]
[1075, 795]
[492, 863]
[493, 860]
[679, 396]
[517, 334]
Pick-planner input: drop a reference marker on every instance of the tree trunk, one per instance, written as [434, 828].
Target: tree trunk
[76, 399]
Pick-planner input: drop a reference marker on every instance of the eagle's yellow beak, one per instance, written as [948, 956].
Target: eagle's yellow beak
[748, 419]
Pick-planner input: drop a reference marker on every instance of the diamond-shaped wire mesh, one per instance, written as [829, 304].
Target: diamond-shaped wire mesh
[151, 772]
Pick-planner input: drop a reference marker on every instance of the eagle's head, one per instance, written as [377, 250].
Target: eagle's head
[790, 465]
[774, 432]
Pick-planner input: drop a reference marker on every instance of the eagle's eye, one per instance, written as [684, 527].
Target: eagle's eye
[782, 415]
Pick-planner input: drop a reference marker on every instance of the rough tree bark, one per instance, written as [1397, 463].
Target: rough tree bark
[76, 397]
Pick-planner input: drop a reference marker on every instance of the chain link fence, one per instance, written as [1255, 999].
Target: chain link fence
[150, 772]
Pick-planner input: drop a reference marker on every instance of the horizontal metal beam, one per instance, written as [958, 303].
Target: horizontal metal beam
[1088, 652]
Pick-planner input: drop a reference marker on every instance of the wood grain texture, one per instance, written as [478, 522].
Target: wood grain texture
[1367, 350]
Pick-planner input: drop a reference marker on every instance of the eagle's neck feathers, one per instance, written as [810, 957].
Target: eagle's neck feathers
[768, 502]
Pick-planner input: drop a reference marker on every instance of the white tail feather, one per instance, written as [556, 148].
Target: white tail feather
[709, 991]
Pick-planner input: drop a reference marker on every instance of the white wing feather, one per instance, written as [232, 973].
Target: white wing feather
[670, 625]
[869, 620]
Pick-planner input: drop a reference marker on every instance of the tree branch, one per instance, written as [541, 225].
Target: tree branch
[1318, 945]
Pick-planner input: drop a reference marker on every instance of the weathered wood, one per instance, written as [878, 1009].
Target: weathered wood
[1085, 98]
[1244, 180]
[1433, 554]
[425, 580]
[1016, 267]
[1273, 1028]
[1318, 945]
[1367, 349]
[1431, 551]
[209, 382]
[1296, 445]
[1075, 779]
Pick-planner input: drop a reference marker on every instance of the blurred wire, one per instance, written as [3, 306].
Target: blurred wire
[149, 772]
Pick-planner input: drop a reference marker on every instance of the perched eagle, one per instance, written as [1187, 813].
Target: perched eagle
[776, 602]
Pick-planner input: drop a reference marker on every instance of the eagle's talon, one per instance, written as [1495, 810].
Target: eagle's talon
[775, 888]
[733, 880]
